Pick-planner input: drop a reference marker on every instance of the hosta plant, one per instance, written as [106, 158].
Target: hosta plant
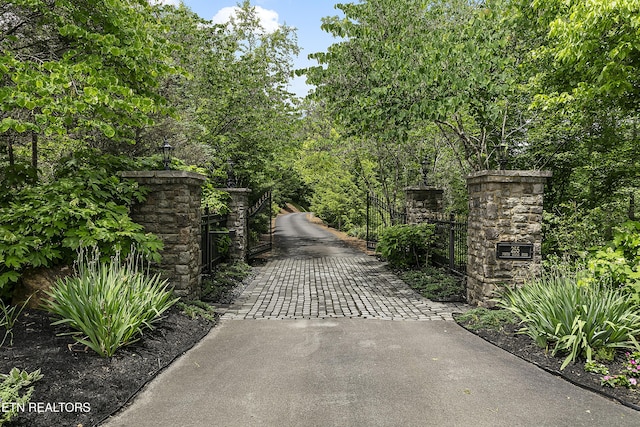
[571, 319]
[108, 305]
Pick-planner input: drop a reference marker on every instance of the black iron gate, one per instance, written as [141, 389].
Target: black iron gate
[260, 227]
[380, 215]
[450, 244]
[214, 237]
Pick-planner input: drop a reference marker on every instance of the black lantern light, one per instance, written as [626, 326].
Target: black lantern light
[425, 172]
[503, 156]
[166, 154]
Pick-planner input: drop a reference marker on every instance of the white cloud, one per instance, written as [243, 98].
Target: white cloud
[268, 18]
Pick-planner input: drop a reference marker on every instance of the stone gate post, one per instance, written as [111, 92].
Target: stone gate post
[423, 203]
[237, 222]
[505, 230]
[172, 212]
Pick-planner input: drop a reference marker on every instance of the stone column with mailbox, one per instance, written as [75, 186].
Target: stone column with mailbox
[504, 235]
[172, 211]
[423, 204]
[237, 222]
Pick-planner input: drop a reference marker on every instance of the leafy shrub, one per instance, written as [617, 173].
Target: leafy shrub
[85, 205]
[109, 304]
[619, 261]
[434, 283]
[11, 395]
[406, 245]
[576, 320]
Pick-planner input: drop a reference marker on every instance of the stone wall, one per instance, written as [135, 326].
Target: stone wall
[504, 206]
[423, 204]
[172, 212]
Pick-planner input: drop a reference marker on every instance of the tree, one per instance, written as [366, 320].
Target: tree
[74, 72]
[405, 64]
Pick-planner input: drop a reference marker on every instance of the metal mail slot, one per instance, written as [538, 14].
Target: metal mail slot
[514, 250]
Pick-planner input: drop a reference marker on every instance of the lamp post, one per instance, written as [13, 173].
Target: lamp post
[231, 175]
[166, 154]
[503, 156]
[425, 172]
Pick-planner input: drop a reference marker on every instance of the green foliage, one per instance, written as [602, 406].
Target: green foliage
[8, 316]
[577, 320]
[195, 309]
[629, 377]
[86, 204]
[221, 285]
[595, 367]
[12, 395]
[484, 318]
[435, 284]
[74, 68]
[406, 245]
[109, 304]
[619, 262]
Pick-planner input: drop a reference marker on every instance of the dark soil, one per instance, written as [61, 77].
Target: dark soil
[71, 373]
[524, 347]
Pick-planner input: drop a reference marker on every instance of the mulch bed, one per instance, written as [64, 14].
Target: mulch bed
[73, 374]
[524, 347]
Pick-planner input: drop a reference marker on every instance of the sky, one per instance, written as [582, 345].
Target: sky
[304, 15]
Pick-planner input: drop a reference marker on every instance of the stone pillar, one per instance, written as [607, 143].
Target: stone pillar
[237, 222]
[172, 211]
[423, 203]
[504, 235]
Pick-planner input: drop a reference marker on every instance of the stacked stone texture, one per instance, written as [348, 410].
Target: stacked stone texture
[172, 212]
[423, 204]
[237, 222]
[504, 206]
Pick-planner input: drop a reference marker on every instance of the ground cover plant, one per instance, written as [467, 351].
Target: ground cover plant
[15, 390]
[435, 283]
[221, 286]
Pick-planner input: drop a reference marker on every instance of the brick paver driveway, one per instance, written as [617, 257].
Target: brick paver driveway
[314, 275]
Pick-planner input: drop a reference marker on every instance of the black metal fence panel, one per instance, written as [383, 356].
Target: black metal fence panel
[260, 227]
[380, 215]
[213, 233]
[450, 244]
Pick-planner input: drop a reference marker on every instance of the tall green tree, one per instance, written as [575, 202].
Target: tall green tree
[78, 72]
[405, 64]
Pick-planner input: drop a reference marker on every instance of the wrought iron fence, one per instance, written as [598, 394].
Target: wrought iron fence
[450, 245]
[379, 216]
[214, 239]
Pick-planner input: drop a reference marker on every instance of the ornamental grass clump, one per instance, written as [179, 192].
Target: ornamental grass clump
[109, 304]
[576, 320]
